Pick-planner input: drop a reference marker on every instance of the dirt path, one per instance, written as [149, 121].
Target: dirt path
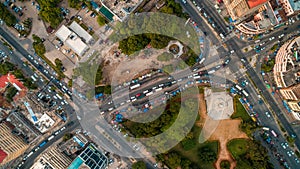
[226, 131]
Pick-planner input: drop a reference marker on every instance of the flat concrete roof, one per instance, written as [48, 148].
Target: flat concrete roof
[63, 33]
[80, 31]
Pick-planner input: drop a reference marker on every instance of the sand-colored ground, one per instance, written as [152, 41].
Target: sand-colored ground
[224, 132]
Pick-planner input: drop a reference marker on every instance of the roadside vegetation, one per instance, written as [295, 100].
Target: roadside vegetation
[139, 165]
[248, 126]
[225, 164]
[267, 66]
[7, 67]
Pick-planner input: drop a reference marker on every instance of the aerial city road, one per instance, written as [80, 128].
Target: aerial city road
[146, 84]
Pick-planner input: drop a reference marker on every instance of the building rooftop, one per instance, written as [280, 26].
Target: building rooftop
[254, 3]
[91, 158]
[72, 39]
[2, 155]
[75, 27]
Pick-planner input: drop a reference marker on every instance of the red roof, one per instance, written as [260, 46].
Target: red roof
[254, 3]
[11, 79]
[2, 155]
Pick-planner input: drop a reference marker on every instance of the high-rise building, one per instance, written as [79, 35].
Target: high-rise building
[11, 145]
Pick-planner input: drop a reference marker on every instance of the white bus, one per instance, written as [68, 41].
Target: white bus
[266, 128]
[273, 132]
[150, 93]
[33, 78]
[196, 77]
[245, 93]
[134, 86]
[238, 87]
[50, 138]
[202, 60]
[30, 154]
[58, 96]
[211, 71]
[159, 89]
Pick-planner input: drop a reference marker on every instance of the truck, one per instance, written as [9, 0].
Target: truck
[150, 93]
[196, 77]
[135, 86]
[158, 89]
[274, 133]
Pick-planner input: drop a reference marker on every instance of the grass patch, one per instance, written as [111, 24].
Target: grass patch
[239, 110]
[237, 147]
[164, 57]
[192, 154]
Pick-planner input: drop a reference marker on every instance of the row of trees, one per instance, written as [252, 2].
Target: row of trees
[138, 42]
[38, 45]
[6, 16]
[50, 12]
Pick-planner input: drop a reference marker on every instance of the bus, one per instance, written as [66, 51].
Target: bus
[238, 87]
[50, 138]
[202, 60]
[150, 93]
[30, 154]
[43, 143]
[266, 128]
[58, 96]
[273, 132]
[245, 93]
[196, 77]
[33, 78]
[135, 86]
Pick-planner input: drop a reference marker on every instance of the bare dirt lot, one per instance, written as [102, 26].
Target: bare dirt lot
[225, 131]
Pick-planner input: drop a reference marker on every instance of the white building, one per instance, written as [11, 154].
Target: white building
[73, 39]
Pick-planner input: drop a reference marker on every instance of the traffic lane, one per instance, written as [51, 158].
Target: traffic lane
[210, 11]
[30, 160]
[201, 24]
[266, 94]
[25, 54]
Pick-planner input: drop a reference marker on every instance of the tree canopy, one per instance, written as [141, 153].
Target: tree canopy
[38, 45]
[6, 16]
[139, 165]
[50, 12]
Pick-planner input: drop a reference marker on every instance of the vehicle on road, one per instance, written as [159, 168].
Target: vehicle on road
[268, 114]
[274, 133]
[50, 138]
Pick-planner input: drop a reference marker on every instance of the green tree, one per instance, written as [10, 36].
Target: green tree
[207, 154]
[139, 165]
[10, 93]
[38, 45]
[67, 136]
[101, 20]
[225, 164]
[6, 16]
[74, 3]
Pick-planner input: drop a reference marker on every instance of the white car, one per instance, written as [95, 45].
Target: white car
[268, 114]
[232, 51]
[272, 38]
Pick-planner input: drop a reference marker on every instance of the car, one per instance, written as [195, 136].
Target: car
[243, 60]
[138, 95]
[268, 114]
[297, 160]
[271, 38]
[283, 146]
[232, 51]
[289, 154]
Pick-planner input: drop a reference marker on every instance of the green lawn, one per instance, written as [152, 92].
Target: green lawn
[238, 147]
[240, 111]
